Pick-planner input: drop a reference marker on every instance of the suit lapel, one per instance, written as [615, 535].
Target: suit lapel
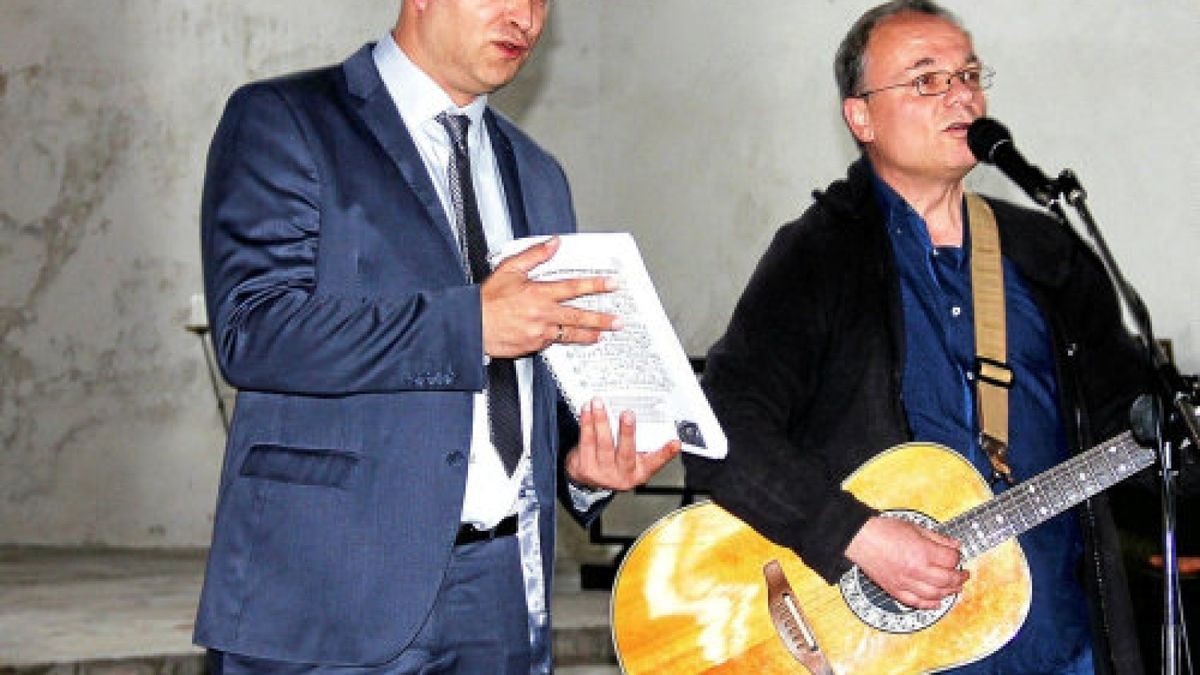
[378, 111]
[509, 174]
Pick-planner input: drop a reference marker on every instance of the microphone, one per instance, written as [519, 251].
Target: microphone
[991, 143]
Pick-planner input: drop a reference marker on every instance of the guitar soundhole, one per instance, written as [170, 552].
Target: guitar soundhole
[874, 607]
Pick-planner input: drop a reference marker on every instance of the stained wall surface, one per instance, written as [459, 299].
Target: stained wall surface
[700, 125]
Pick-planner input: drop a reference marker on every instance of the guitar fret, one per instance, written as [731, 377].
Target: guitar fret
[1105, 469]
[1038, 509]
[1002, 519]
[970, 538]
[964, 528]
[1060, 496]
[1025, 514]
[1073, 487]
[1071, 483]
[1024, 499]
[1023, 504]
[1105, 459]
[1044, 496]
[993, 523]
[1087, 479]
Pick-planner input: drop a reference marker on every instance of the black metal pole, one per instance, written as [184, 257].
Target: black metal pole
[1173, 396]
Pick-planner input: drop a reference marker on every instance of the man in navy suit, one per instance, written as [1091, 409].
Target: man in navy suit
[372, 517]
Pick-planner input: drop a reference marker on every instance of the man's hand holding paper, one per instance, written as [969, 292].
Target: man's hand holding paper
[522, 316]
[619, 347]
[596, 463]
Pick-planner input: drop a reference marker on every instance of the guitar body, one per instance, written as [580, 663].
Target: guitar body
[691, 595]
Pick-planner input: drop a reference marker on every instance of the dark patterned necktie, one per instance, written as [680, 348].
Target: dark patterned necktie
[504, 406]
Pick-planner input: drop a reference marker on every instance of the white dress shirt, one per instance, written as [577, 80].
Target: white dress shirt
[491, 493]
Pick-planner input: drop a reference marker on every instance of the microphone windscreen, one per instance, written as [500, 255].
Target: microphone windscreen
[984, 135]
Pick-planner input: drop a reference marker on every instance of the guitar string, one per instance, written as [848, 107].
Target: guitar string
[1091, 472]
[1060, 480]
[1032, 505]
[1011, 514]
[1070, 484]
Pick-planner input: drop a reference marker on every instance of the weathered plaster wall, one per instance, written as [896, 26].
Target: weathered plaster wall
[703, 126]
[700, 125]
[108, 430]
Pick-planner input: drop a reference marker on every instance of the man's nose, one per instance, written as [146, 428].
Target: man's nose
[521, 13]
[959, 91]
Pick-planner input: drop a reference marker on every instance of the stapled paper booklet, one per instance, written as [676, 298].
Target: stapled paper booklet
[641, 367]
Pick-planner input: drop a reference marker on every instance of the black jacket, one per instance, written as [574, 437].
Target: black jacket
[807, 382]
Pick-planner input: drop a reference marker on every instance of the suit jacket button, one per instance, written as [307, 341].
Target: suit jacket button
[455, 458]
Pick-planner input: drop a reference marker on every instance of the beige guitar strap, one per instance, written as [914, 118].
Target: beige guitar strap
[994, 377]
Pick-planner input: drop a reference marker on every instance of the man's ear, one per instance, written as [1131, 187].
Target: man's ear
[858, 118]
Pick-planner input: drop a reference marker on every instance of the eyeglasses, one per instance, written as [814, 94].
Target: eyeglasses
[938, 82]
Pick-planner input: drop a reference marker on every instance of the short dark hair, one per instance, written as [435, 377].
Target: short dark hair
[850, 62]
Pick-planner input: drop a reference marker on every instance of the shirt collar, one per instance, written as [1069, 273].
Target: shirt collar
[902, 220]
[890, 202]
[418, 98]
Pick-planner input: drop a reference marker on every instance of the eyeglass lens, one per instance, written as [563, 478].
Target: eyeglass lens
[939, 81]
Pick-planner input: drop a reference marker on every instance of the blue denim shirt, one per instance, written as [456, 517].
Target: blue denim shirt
[939, 400]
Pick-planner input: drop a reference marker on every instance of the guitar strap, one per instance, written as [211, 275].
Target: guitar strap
[994, 377]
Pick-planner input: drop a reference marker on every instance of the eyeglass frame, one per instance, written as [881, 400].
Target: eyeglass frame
[985, 81]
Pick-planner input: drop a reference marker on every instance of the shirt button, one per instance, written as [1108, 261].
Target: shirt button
[955, 310]
[454, 458]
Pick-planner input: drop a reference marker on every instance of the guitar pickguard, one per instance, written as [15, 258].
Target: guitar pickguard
[874, 607]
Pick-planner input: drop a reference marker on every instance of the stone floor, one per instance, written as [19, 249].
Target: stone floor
[113, 612]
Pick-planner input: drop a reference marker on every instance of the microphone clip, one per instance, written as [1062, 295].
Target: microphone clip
[1067, 185]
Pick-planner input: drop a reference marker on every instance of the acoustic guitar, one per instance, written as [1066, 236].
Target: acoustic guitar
[702, 592]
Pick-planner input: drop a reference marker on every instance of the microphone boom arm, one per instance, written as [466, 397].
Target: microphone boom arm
[1068, 188]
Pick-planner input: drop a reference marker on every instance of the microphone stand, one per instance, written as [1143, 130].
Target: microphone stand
[1181, 412]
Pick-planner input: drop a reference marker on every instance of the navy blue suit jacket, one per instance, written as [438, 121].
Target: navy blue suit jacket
[339, 310]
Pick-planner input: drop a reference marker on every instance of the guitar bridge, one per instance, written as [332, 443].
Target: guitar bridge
[790, 624]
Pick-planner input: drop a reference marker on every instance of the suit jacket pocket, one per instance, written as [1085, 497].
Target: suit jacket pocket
[302, 466]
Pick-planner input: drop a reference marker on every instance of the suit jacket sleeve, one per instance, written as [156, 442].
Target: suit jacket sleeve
[275, 325]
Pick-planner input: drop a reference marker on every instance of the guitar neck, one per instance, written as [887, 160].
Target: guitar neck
[1048, 494]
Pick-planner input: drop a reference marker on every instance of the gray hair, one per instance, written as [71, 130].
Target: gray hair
[850, 62]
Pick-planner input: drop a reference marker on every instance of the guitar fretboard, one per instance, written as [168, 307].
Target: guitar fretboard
[1047, 494]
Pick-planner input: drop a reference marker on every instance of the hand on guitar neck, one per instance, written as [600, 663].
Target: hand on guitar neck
[915, 565]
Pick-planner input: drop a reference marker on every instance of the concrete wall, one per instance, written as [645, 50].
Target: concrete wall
[700, 125]
[108, 429]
